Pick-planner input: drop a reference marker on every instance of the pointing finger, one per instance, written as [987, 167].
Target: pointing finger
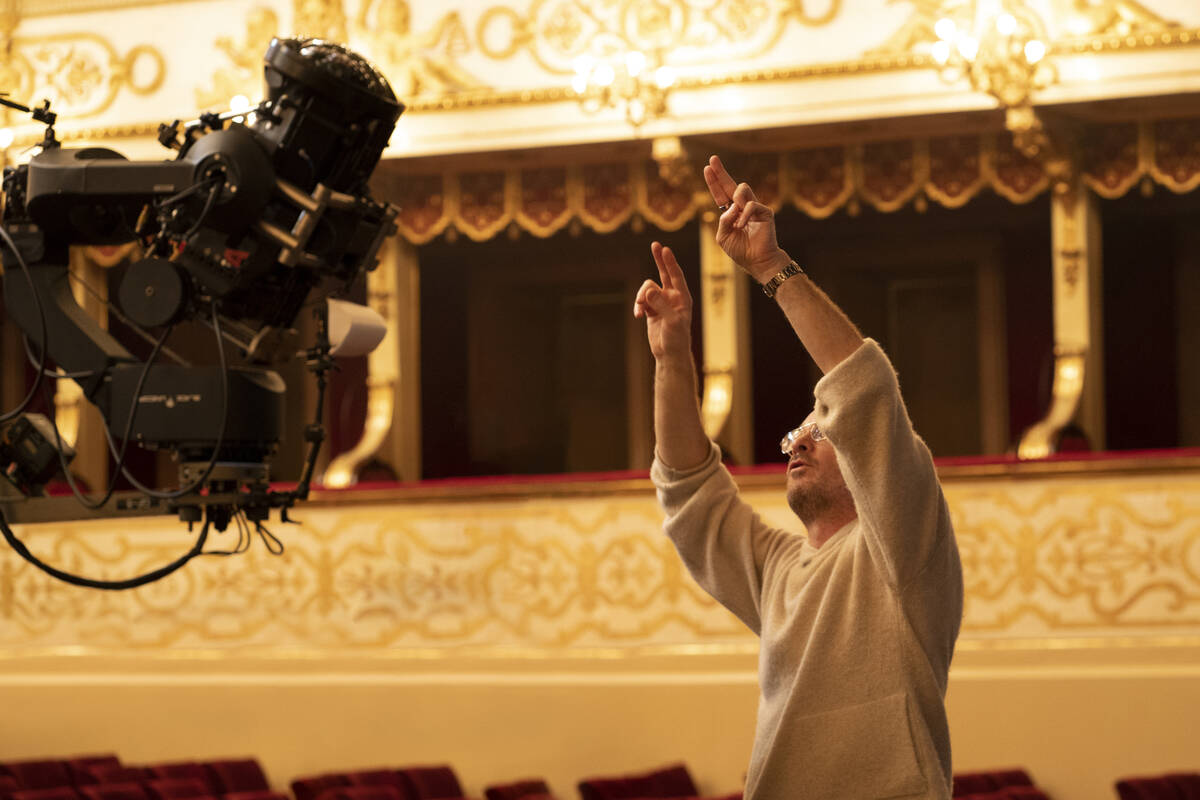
[673, 271]
[720, 179]
[664, 275]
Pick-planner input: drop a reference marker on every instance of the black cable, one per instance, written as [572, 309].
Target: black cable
[37, 299]
[213, 193]
[50, 373]
[92, 583]
[83, 499]
[188, 192]
[133, 326]
[269, 540]
[212, 462]
[243, 542]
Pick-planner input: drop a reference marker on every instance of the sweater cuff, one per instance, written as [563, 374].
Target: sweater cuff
[666, 477]
[863, 372]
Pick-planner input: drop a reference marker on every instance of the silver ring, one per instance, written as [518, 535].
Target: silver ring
[723, 207]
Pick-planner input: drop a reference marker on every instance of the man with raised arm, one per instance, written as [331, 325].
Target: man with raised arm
[858, 619]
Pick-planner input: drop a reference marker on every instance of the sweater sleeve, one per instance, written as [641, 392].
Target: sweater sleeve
[888, 468]
[723, 543]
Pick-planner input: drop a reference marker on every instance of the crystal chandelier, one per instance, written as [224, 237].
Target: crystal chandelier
[1000, 47]
[631, 79]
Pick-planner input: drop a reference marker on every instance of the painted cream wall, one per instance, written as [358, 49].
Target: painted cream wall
[550, 631]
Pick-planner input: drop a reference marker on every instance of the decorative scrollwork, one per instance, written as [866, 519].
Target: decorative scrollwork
[82, 73]
[557, 32]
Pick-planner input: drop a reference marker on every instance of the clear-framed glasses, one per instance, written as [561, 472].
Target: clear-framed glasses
[796, 434]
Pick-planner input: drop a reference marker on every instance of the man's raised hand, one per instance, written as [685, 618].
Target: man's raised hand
[667, 307]
[746, 229]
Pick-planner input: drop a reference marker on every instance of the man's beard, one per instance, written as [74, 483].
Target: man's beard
[809, 502]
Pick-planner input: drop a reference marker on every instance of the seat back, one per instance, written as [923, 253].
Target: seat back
[237, 775]
[670, 781]
[1157, 788]
[517, 790]
[41, 773]
[1188, 784]
[311, 787]
[431, 783]
[114, 791]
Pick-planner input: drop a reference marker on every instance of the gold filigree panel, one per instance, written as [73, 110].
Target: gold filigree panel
[1102, 556]
[1042, 558]
[556, 32]
[80, 73]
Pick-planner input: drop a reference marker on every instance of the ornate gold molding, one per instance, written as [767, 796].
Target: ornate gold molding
[80, 72]
[1047, 562]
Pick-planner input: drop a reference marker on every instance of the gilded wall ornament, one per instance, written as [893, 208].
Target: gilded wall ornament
[557, 32]
[416, 63]
[243, 74]
[81, 73]
[325, 19]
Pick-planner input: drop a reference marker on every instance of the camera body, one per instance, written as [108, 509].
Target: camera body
[254, 212]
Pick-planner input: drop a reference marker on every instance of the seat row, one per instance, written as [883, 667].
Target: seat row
[440, 783]
[217, 778]
[1172, 786]
[104, 777]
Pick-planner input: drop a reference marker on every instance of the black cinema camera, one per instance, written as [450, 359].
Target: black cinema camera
[235, 232]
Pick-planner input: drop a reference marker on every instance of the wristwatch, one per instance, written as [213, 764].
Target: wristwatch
[770, 287]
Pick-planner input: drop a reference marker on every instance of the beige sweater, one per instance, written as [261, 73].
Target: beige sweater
[856, 637]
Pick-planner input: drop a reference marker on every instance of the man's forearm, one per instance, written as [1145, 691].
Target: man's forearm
[678, 430]
[824, 330]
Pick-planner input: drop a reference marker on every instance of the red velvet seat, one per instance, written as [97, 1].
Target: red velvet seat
[376, 791]
[8, 784]
[183, 770]
[431, 783]
[84, 769]
[1024, 793]
[380, 777]
[177, 788]
[114, 773]
[255, 794]
[41, 773]
[52, 793]
[517, 790]
[1157, 788]
[311, 787]
[237, 775]
[671, 781]
[973, 783]
[114, 791]
[1188, 784]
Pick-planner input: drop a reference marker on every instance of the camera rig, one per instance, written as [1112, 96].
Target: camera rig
[257, 209]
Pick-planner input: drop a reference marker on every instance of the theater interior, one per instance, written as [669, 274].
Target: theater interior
[477, 596]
